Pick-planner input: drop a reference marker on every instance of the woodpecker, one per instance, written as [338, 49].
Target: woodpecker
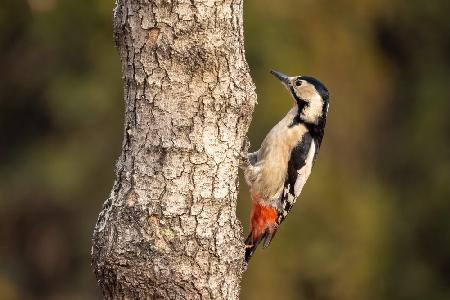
[277, 172]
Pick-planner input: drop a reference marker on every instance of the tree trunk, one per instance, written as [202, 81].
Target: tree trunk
[169, 228]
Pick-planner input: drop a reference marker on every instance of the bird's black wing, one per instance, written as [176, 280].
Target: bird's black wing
[297, 161]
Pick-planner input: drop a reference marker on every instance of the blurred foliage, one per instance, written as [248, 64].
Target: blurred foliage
[373, 220]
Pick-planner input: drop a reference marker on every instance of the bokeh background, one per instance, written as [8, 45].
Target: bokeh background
[374, 219]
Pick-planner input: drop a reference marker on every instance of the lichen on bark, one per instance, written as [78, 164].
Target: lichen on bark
[169, 229]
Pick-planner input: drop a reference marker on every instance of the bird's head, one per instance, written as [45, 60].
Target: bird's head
[310, 95]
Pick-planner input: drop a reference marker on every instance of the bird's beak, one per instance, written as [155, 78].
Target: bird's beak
[283, 78]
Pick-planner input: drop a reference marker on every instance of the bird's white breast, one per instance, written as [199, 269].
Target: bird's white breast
[267, 176]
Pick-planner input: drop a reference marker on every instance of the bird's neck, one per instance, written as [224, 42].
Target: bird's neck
[316, 129]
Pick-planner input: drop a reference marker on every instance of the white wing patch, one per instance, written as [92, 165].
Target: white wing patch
[304, 172]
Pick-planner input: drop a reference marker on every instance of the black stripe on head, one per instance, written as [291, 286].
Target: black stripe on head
[319, 86]
[300, 102]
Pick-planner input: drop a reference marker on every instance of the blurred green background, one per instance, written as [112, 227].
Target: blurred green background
[373, 221]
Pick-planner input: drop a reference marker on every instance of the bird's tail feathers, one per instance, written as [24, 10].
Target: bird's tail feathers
[252, 243]
[250, 247]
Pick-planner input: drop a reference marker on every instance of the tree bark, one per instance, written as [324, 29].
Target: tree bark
[169, 228]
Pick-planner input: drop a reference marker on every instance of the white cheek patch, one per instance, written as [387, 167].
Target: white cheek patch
[313, 111]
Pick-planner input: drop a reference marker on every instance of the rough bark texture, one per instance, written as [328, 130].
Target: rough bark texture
[169, 228]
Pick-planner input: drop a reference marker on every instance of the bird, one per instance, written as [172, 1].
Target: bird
[277, 172]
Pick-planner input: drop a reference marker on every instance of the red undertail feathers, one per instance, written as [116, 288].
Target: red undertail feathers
[262, 228]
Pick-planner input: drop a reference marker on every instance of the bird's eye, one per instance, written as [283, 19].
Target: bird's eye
[298, 82]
